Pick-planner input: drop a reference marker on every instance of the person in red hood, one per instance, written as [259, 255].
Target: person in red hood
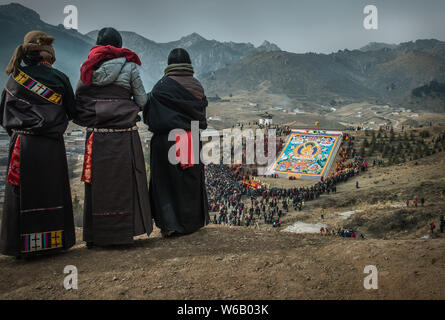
[109, 97]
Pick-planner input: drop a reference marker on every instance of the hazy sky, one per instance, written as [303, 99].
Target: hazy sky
[294, 25]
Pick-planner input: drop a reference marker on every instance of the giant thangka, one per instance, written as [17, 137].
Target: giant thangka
[308, 154]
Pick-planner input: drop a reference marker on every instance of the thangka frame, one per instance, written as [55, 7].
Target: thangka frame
[308, 154]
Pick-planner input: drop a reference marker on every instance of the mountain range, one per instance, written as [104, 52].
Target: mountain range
[377, 72]
[72, 47]
[207, 55]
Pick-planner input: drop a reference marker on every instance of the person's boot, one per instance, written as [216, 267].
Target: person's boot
[167, 234]
[90, 245]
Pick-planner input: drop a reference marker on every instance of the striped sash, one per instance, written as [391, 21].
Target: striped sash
[105, 130]
[38, 88]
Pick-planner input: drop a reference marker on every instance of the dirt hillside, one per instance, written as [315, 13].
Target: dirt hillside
[235, 263]
[221, 262]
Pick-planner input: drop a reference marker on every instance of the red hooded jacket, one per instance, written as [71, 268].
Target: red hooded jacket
[101, 53]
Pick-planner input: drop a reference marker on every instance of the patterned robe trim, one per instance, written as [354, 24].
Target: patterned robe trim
[104, 130]
[41, 209]
[14, 165]
[87, 161]
[42, 241]
[38, 88]
[122, 213]
[23, 132]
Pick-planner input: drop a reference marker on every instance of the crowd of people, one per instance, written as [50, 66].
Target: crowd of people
[235, 202]
[281, 130]
[415, 202]
[341, 232]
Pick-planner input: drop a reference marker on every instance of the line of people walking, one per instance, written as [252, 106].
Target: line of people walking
[36, 107]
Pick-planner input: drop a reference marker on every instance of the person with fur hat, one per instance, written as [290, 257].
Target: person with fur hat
[36, 106]
[109, 96]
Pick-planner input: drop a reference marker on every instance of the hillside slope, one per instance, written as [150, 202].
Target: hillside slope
[380, 76]
[221, 262]
[235, 263]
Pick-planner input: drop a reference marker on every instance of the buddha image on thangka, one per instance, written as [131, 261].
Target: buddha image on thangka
[306, 154]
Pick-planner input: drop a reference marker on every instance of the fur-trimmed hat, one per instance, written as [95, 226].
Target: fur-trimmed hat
[34, 41]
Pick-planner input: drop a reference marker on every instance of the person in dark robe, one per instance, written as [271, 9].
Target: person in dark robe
[36, 106]
[109, 96]
[178, 194]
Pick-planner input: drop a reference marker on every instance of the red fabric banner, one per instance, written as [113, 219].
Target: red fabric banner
[14, 165]
[87, 160]
[184, 142]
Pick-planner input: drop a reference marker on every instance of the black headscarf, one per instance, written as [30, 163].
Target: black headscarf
[109, 37]
[179, 56]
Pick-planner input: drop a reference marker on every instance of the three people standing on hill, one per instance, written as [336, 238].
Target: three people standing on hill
[36, 106]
